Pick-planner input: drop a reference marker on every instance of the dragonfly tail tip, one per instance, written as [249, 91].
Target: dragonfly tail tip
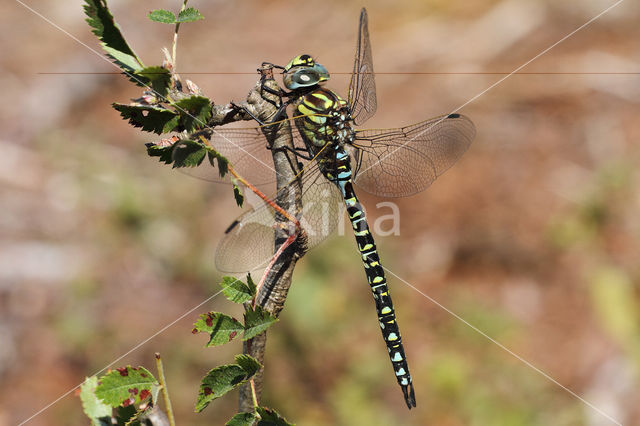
[409, 395]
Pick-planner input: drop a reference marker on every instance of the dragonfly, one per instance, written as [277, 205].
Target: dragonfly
[393, 162]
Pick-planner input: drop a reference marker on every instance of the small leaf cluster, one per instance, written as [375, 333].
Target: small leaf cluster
[222, 329]
[187, 153]
[125, 395]
[166, 17]
[164, 107]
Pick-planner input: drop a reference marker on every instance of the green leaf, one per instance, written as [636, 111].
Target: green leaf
[155, 391]
[125, 415]
[158, 78]
[270, 417]
[237, 194]
[150, 118]
[218, 382]
[96, 410]
[105, 28]
[138, 417]
[190, 15]
[249, 364]
[220, 327]
[256, 320]
[251, 284]
[164, 152]
[194, 112]
[236, 290]
[243, 419]
[187, 153]
[162, 16]
[125, 386]
[223, 164]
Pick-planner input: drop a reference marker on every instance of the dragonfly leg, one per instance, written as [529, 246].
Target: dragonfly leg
[279, 92]
[275, 118]
[297, 151]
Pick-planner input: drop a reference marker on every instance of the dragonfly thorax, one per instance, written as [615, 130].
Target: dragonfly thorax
[324, 118]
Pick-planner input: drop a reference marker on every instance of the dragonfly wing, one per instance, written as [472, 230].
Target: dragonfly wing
[248, 244]
[246, 150]
[362, 87]
[404, 161]
[322, 210]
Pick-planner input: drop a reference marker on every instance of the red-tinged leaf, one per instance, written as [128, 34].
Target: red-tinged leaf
[123, 386]
[98, 412]
[220, 327]
[218, 382]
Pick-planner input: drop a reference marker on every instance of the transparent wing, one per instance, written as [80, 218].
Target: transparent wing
[248, 244]
[246, 150]
[362, 87]
[401, 162]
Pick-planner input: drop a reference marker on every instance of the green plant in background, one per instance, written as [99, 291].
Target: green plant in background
[129, 395]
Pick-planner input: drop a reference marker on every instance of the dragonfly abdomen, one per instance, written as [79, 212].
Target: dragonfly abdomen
[341, 176]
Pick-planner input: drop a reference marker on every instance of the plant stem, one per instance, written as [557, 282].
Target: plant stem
[165, 391]
[276, 282]
[253, 393]
[175, 39]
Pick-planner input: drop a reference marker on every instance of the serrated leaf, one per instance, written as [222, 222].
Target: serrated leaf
[187, 153]
[125, 386]
[243, 419]
[251, 284]
[220, 327]
[150, 118]
[162, 16]
[270, 417]
[139, 416]
[190, 14]
[194, 112]
[237, 194]
[223, 165]
[235, 290]
[96, 410]
[125, 415]
[157, 77]
[125, 61]
[105, 28]
[218, 382]
[249, 364]
[164, 152]
[256, 320]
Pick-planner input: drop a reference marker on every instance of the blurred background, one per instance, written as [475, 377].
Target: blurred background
[533, 237]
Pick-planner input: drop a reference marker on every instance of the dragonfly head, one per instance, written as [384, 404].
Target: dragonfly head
[303, 71]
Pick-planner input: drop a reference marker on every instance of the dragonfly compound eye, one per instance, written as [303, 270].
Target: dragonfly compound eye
[300, 76]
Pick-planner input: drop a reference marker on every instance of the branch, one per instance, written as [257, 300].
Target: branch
[276, 286]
